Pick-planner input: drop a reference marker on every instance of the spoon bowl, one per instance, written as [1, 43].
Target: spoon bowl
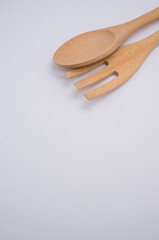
[85, 47]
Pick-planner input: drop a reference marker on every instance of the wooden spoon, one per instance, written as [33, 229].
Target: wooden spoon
[93, 46]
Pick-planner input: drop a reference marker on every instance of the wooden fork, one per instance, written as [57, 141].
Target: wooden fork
[124, 62]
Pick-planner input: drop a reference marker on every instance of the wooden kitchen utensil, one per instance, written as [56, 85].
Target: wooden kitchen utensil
[92, 46]
[124, 62]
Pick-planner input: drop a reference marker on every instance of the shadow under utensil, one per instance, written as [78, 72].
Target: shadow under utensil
[58, 73]
[88, 104]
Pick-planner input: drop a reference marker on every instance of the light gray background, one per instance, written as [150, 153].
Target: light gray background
[72, 169]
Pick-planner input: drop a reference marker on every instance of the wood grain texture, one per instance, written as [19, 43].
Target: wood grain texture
[124, 62]
[93, 46]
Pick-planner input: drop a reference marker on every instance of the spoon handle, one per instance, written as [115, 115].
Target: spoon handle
[143, 20]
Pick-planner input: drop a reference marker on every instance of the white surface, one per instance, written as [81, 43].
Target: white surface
[72, 168]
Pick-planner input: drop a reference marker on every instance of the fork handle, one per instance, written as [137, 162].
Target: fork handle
[143, 20]
[151, 41]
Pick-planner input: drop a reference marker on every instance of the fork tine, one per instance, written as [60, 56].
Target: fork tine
[94, 78]
[78, 71]
[105, 88]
